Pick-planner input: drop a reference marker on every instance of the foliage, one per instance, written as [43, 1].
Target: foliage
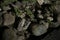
[6, 2]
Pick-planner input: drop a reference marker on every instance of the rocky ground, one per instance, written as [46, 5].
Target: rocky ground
[29, 19]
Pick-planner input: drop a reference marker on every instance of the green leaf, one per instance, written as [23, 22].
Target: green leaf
[30, 14]
[17, 11]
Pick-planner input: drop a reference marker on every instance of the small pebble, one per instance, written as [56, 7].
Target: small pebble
[50, 18]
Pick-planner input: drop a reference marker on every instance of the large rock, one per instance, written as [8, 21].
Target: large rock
[38, 30]
[9, 34]
[8, 19]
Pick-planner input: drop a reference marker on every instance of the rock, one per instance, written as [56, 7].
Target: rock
[50, 18]
[8, 19]
[27, 34]
[21, 38]
[45, 24]
[40, 2]
[38, 30]
[27, 23]
[21, 24]
[9, 34]
[40, 16]
[39, 11]
[20, 35]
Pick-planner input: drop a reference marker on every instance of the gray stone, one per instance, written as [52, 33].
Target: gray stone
[40, 2]
[27, 23]
[21, 24]
[8, 19]
[38, 30]
[9, 34]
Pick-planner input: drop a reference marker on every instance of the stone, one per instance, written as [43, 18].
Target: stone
[21, 24]
[38, 30]
[39, 11]
[40, 16]
[8, 19]
[50, 18]
[27, 23]
[40, 2]
[9, 34]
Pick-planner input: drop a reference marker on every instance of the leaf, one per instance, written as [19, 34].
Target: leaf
[30, 14]
[17, 11]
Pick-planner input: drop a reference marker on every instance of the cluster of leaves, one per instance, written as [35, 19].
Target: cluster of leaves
[17, 11]
[27, 10]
